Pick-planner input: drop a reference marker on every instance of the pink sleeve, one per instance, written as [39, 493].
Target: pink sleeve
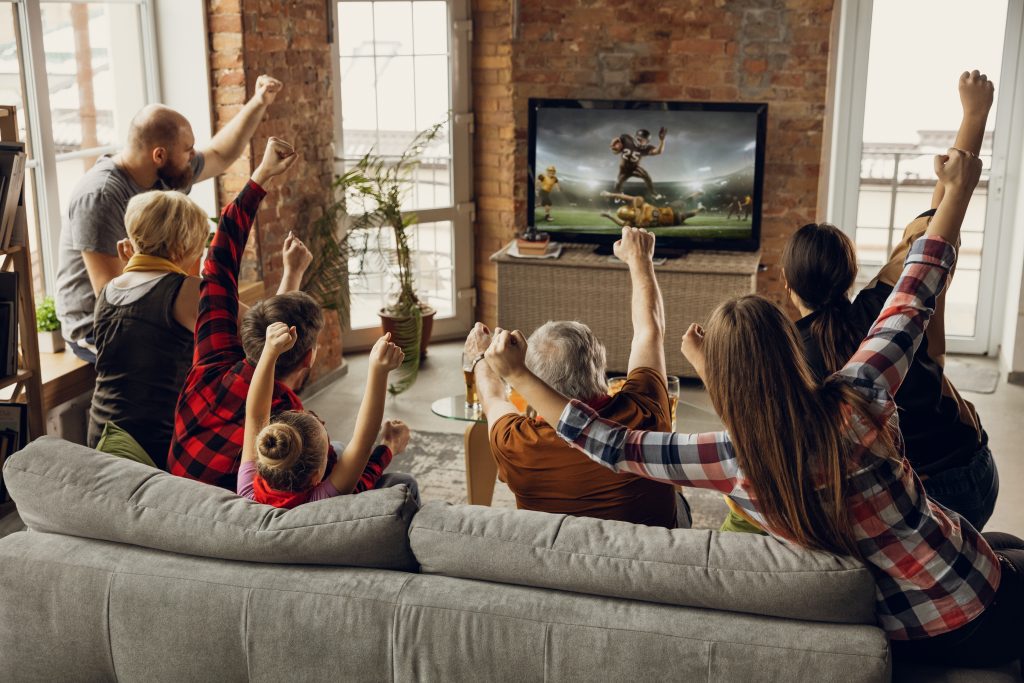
[246, 474]
[322, 491]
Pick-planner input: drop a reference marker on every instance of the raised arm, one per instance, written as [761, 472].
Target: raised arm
[296, 258]
[882, 361]
[636, 249]
[217, 324]
[662, 132]
[702, 460]
[258, 401]
[488, 385]
[384, 357]
[976, 93]
[229, 143]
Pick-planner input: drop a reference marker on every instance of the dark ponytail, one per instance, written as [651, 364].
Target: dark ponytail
[820, 264]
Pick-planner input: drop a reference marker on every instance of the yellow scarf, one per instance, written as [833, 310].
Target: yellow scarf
[145, 262]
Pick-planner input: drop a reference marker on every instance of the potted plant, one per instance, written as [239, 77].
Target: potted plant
[368, 207]
[48, 327]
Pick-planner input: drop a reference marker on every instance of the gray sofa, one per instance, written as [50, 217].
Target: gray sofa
[127, 573]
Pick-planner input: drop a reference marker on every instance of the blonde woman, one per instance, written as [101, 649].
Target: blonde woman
[145, 318]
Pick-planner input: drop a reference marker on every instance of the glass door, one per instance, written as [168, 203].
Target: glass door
[402, 68]
[905, 57]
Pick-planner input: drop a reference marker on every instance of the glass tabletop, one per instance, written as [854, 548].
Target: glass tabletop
[689, 417]
[454, 408]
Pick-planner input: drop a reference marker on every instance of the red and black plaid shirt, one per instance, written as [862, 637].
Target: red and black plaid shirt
[209, 421]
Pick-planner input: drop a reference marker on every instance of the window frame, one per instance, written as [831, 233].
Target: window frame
[39, 116]
[461, 211]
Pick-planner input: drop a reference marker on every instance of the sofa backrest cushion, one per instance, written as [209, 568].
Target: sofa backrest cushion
[60, 487]
[695, 568]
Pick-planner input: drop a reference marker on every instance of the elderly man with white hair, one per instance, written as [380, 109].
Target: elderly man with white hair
[543, 471]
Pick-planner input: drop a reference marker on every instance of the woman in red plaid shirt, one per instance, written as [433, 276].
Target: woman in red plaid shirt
[822, 465]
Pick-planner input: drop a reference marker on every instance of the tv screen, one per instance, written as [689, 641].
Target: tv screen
[690, 172]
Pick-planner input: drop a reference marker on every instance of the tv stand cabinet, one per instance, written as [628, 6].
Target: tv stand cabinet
[593, 289]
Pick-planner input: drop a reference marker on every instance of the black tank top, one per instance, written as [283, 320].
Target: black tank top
[143, 355]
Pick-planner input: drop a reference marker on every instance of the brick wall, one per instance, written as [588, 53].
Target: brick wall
[288, 41]
[773, 51]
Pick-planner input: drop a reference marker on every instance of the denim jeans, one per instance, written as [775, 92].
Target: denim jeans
[86, 353]
[969, 490]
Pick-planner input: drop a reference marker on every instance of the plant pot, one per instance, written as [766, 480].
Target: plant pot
[51, 342]
[388, 323]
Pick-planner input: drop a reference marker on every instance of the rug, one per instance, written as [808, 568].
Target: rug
[438, 462]
[972, 375]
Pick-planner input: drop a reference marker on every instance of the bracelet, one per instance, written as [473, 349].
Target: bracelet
[472, 367]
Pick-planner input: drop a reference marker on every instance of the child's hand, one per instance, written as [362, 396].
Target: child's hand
[278, 157]
[395, 435]
[385, 355]
[280, 338]
[295, 255]
[976, 93]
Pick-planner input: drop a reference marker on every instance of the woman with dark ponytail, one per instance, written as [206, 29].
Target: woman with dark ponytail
[944, 439]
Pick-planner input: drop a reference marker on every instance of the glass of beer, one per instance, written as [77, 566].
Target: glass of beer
[615, 384]
[472, 398]
[673, 397]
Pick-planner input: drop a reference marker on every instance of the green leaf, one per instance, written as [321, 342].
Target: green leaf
[407, 335]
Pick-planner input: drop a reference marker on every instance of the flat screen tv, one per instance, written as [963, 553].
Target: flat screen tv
[690, 172]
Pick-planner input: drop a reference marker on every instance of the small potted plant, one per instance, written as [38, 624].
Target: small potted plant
[369, 202]
[48, 327]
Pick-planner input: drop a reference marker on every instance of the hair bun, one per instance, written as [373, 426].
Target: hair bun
[278, 446]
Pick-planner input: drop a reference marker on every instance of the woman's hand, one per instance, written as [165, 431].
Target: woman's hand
[693, 347]
[280, 338]
[958, 170]
[507, 353]
[976, 93]
[295, 255]
[385, 355]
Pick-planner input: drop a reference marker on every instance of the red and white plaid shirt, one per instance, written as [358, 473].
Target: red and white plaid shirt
[209, 421]
[933, 572]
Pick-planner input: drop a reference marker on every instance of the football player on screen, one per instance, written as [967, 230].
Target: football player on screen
[639, 214]
[546, 184]
[631, 149]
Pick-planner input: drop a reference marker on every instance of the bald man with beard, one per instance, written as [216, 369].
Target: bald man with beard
[159, 154]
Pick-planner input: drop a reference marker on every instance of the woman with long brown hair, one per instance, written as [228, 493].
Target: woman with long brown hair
[821, 464]
[943, 437]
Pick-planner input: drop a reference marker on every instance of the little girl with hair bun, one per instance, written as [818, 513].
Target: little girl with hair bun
[284, 458]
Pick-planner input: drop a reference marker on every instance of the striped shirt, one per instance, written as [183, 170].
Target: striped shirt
[933, 572]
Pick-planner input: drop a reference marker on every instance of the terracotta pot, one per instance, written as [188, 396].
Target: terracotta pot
[387, 324]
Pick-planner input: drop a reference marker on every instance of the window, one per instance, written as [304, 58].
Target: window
[898, 93]
[401, 68]
[78, 72]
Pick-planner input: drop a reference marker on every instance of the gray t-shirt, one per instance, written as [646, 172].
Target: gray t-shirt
[94, 222]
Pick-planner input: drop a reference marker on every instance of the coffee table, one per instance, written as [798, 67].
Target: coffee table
[481, 469]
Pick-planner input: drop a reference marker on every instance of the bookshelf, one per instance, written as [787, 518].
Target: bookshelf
[27, 382]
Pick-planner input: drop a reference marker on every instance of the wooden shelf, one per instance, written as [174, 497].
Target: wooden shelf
[21, 376]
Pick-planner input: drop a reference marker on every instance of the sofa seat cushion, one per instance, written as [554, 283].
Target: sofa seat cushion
[693, 568]
[60, 487]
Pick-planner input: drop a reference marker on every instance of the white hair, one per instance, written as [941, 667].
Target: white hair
[568, 357]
